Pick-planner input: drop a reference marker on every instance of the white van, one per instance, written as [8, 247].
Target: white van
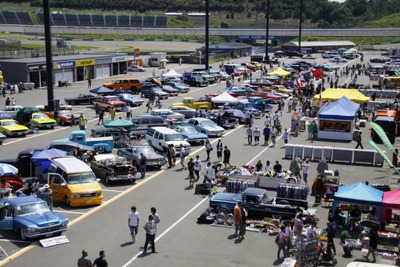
[330, 54]
[166, 136]
[74, 183]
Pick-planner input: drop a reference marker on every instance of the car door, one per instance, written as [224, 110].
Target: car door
[6, 218]
[57, 185]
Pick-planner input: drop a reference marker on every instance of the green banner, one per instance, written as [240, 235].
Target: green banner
[381, 133]
[374, 145]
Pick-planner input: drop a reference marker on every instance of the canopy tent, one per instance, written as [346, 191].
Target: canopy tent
[42, 158]
[335, 94]
[391, 200]
[171, 74]
[102, 91]
[359, 194]
[344, 108]
[119, 123]
[225, 97]
[279, 71]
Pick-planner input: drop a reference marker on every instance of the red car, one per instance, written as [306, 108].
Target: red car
[14, 180]
[249, 66]
[267, 95]
[109, 101]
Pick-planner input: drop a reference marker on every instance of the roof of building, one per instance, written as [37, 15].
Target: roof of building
[320, 43]
[31, 60]
[230, 46]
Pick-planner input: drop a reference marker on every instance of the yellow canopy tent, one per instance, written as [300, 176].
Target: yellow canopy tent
[335, 94]
[279, 71]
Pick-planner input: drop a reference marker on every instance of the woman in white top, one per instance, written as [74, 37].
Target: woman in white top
[268, 167]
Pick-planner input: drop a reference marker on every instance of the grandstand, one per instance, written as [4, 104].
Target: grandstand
[10, 17]
[24, 18]
[123, 21]
[72, 19]
[148, 21]
[111, 21]
[59, 19]
[98, 20]
[136, 21]
[161, 22]
[85, 20]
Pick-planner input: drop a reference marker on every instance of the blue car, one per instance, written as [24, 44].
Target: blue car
[191, 134]
[256, 102]
[240, 90]
[131, 100]
[244, 106]
[31, 217]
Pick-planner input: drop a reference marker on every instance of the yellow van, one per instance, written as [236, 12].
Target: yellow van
[124, 85]
[74, 183]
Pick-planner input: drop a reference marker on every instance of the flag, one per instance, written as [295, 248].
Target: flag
[381, 133]
[374, 145]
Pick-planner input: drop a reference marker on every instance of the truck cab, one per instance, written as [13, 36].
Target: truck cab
[100, 144]
[389, 120]
[191, 103]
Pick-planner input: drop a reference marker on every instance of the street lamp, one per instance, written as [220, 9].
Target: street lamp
[267, 31]
[49, 64]
[207, 34]
[301, 17]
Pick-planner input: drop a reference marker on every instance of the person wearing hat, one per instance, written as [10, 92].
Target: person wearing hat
[46, 194]
[256, 134]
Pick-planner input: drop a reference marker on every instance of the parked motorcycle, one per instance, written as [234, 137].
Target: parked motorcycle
[64, 83]
[326, 255]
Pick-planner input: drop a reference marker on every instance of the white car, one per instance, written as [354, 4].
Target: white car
[337, 59]
[205, 126]
[135, 68]
[188, 112]
[168, 114]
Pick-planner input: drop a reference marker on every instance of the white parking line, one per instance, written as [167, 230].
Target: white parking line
[114, 191]
[70, 212]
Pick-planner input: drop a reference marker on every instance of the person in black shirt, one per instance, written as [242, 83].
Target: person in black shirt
[277, 167]
[100, 261]
[227, 156]
[191, 172]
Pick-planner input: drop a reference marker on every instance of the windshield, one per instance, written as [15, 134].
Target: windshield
[81, 178]
[173, 137]
[65, 112]
[144, 150]
[40, 117]
[32, 208]
[188, 130]
[9, 123]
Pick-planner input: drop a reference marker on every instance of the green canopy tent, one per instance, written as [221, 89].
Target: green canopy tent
[119, 123]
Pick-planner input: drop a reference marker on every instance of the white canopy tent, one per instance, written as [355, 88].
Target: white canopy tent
[225, 97]
[171, 74]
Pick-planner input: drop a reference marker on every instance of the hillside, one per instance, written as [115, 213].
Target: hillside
[390, 21]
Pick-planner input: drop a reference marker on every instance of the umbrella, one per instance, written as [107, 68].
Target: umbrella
[7, 169]
[164, 60]
[102, 91]
[120, 123]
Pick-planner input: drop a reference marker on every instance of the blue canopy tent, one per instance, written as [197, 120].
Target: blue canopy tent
[42, 158]
[359, 194]
[336, 120]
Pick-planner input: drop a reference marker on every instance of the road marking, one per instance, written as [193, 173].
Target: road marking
[14, 241]
[259, 154]
[169, 229]
[69, 212]
[114, 191]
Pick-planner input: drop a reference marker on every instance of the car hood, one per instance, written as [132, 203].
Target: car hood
[46, 219]
[213, 128]
[153, 156]
[194, 135]
[15, 127]
[44, 120]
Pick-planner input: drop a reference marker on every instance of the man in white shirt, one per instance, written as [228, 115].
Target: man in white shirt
[311, 230]
[209, 173]
[133, 222]
[220, 147]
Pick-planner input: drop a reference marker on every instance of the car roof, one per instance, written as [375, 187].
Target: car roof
[254, 191]
[165, 130]
[17, 201]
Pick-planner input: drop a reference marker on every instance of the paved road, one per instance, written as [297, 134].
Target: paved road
[180, 240]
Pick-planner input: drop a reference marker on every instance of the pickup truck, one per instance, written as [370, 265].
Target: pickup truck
[100, 144]
[191, 103]
[259, 204]
[109, 101]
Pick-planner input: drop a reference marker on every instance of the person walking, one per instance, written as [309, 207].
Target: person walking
[101, 261]
[237, 217]
[306, 169]
[101, 116]
[281, 243]
[82, 122]
[266, 133]
[182, 154]
[243, 223]
[169, 156]
[173, 154]
[142, 165]
[227, 156]
[286, 136]
[331, 230]
[128, 111]
[83, 261]
[150, 227]
[358, 140]
[191, 172]
[220, 147]
[8, 101]
[249, 135]
[197, 167]
[209, 148]
[373, 243]
[273, 135]
[89, 82]
[133, 222]
[209, 174]
[256, 134]
[311, 233]
[148, 105]
[112, 113]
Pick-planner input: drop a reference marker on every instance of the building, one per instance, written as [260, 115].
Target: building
[66, 68]
[232, 50]
[317, 46]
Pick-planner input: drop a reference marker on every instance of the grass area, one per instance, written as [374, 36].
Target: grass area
[359, 41]
[42, 46]
[390, 21]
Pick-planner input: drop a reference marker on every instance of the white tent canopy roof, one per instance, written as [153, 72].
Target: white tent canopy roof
[224, 98]
[171, 74]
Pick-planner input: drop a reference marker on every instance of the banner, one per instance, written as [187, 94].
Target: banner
[334, 126]
[374, 145]
[382, 135]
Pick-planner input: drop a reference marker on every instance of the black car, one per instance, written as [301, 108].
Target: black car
[293, 54]
[379, 60]
[70, 147]
[81, 99]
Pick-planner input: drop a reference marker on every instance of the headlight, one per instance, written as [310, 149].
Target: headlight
[99, 193]
[64, 224]
[31, 230]
[74, 195]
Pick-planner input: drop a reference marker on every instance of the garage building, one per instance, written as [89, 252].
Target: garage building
[317, 46]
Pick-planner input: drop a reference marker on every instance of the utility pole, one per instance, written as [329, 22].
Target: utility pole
[300, 23]
[49, 63]
[207, 35]
[267, 31]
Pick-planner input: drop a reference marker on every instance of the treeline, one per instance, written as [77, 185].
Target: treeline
[321, 12]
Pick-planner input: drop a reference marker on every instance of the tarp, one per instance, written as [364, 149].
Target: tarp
[359, 193]
[24, 115]
[391, 200]
[43, 157]
[333, 94]
[279, 71]
[120, 123]
[171, 74]
[342, 109]
[225, 97]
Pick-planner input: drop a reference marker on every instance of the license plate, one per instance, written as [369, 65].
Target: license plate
[88, 202]
[48, 126]
[19, 133]
[48, 235]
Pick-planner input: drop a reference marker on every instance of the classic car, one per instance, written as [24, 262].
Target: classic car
[258, 202]
[262, 82]
[200, 103]
[226, 122]
[224, 76]
[70, 147]
[81, 99]
[9, 110]
[132, 153]
[244, 106]
[267, 95]
[135, 68]
[150, 92]
[379, 60]
[23, 161]
[113, 168]
[257, 102]
[191, 134]
[64, 117]
[170, 90]
[234, 114]
[109, 101]
[31, 217]
[130, 99]
[205, 126]
[256, 64]
[284, 95]
[12, 128]
[14, 180]
[182, 88]
[249, 66]
[239, 90]
[188, 112]
[167, 114]
[42, 121]
[5, 116]
[282, 89]
[337, 59]
[61, 107]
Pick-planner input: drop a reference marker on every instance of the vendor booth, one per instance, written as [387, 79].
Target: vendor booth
[390, 202]
[224, 98]
[41, 160]
[337, 120]
[280, 72]
[369, 199]
[171, 74]
[333, 94]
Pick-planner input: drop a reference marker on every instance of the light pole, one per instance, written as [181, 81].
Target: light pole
[207, 34]
[301, 18]
[49, 64]
[267, 32]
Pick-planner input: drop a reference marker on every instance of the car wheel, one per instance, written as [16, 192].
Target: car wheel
[158, 167]
[67, 202]
[222, 210]
[101, 149]
[72, 103]
[107, 179]
[22, 235]
[62, 123]
[276, 216]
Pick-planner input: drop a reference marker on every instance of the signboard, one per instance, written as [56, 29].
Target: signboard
[54, 241]
[120, 58]
[65, 64]
[36, 67]
[85, 62]
[334, 126]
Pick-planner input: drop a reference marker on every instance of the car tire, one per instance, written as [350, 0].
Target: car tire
[107, 179]
[22, 235]
[67, 202]
[158, 167]
[71, 103]
[101, 149]
[222, 210]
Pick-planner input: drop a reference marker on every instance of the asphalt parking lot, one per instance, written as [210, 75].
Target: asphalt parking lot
[180, 240]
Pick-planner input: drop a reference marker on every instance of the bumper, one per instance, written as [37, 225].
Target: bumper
[47, 233]
[82, 202]
[123, 178]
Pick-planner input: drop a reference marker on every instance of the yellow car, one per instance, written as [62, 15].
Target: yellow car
[282, 89]
[42, 121]
[12, 128]
[257, 64]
